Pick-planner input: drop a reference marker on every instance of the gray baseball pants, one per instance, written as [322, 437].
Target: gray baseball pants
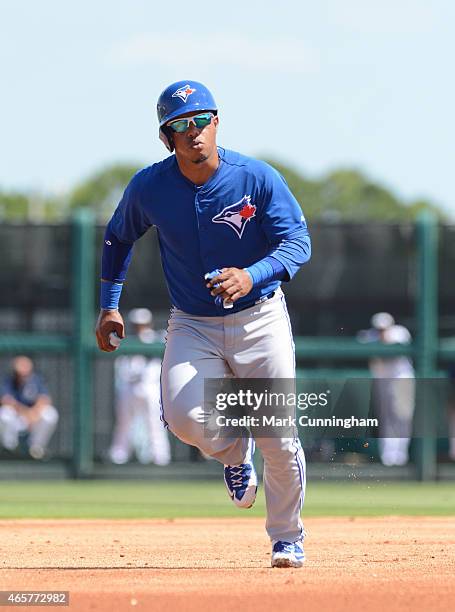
[254, 343]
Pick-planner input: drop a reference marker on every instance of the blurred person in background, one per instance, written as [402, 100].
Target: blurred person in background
[26, 410]
[393, 390]
[138, 425]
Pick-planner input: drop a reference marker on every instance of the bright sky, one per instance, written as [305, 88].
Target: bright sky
[316, 84]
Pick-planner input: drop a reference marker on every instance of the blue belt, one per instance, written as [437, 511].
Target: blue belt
[262, 299]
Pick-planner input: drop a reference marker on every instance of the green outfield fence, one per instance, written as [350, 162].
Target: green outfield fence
[428, 351]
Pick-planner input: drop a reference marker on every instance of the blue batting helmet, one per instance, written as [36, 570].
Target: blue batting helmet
[180, 98]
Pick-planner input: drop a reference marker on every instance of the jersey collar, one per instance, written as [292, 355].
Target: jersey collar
[213, 180]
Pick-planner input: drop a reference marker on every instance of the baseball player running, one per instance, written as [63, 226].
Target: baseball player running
[230, 232]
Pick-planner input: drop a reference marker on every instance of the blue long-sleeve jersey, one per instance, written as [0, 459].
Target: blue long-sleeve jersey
[242, 214]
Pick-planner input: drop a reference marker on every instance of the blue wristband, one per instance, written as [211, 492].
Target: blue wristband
[110, 295]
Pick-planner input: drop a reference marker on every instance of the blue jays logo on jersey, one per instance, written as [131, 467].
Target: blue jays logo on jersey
[237, 215]
[183, 92]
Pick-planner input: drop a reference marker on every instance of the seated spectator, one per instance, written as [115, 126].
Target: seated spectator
[26, 409]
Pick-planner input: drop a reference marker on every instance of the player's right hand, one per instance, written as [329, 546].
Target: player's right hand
[109, 321]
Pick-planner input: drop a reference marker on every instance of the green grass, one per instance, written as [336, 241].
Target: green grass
[133, 499]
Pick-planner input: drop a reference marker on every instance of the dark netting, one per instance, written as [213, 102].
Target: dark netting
[446, 263]
[355, 271]
[103, 403]
[35, 278]
[446, 321]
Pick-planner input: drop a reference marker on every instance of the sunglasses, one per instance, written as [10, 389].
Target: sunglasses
[200, 121]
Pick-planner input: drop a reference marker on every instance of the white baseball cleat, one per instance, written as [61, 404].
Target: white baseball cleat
[241, 480]
[288, 554]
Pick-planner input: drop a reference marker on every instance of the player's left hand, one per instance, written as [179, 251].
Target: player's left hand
[234, 283]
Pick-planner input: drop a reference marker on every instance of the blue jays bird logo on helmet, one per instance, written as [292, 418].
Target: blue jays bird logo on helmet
[237, 215]
[183, 92]
[180, 98]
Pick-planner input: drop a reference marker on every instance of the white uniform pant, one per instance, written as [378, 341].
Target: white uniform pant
[12, 424]
[254, 343]
[138, 425]
[396, 402]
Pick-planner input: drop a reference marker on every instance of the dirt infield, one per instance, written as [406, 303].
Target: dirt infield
[394, 563]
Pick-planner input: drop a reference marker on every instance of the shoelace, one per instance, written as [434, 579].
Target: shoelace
[285, 547]
[237, 476]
